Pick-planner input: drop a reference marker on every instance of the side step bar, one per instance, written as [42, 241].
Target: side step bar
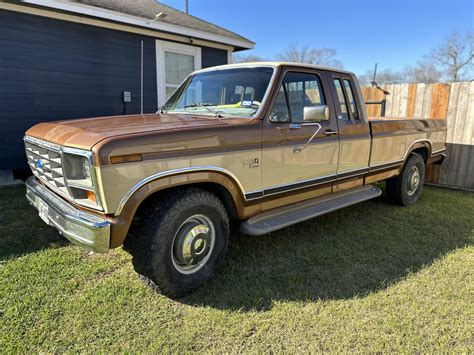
[282, 217]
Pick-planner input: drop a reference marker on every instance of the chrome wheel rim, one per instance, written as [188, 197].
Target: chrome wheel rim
[193, 244]
[413, 180]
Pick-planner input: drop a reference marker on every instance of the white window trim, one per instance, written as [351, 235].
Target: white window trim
[161, 47]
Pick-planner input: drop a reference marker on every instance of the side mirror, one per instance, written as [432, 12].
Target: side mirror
[316, 113]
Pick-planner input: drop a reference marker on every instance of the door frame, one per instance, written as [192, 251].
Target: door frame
[272, 138]
[165, 46]
[354, 133]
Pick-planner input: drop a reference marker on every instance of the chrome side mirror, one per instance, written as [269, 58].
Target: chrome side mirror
[316, 113]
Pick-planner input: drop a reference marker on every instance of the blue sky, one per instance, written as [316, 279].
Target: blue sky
[392, 33]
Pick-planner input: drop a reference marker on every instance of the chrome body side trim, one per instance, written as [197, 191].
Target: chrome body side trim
[81, 228]
[304, 183]
[298, 185]
[410, 148]
[166, 173]
[438, 152]
[263, 192]
[386, 166]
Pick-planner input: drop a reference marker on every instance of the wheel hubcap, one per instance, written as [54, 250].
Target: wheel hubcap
[414, 180]
[193, 244]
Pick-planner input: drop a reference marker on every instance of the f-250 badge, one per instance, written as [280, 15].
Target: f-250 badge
[251, 163]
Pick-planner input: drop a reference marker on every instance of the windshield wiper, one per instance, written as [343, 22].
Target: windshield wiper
[204, 105]
[199, 105]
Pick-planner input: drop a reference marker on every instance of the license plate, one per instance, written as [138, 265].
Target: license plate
[43, 210]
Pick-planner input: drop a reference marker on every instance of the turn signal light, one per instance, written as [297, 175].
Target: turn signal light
[91, 196]
[118, 159]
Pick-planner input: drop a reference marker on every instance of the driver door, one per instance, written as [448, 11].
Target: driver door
[285, 168]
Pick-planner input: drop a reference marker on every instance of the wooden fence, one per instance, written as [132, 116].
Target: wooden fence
[451, 101]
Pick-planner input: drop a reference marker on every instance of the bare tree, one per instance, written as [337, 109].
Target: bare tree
[319, 56]
[425, 71]
[455, 55]
[237, 58]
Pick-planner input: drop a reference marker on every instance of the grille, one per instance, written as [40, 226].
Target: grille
[45, 162]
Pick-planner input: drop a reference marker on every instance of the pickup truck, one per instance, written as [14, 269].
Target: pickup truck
[255, 146]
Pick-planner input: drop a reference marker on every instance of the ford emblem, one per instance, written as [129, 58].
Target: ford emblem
[39, 164]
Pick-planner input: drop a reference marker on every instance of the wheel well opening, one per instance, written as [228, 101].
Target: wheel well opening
[423, 151]
[215, 189]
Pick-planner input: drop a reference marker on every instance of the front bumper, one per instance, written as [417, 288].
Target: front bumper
[81, 228]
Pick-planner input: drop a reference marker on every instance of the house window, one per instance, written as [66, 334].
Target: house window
[174, 62]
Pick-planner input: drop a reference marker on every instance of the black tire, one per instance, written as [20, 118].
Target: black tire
[399, 189]
[152, 243]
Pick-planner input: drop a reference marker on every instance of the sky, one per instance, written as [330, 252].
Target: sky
[391, 33]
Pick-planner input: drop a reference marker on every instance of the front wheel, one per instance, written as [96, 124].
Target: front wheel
[180, 242]
[406, 188]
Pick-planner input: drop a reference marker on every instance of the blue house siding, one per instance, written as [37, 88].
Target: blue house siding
[211, 57]
[52, 69]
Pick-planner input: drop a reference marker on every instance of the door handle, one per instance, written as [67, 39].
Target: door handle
[329, 132]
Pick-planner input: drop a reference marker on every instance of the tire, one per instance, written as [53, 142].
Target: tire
[406, 188]
[180, 241]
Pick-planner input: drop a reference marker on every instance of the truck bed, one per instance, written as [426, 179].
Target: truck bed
[394, 138]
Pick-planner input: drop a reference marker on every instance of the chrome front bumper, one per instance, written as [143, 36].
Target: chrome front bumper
[81, 228]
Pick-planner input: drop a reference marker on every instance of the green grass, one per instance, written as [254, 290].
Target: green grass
[372, 277]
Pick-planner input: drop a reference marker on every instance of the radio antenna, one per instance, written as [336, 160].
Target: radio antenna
[141, 79]
[374, 82]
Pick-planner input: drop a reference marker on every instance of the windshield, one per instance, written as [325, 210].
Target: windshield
[227, 92]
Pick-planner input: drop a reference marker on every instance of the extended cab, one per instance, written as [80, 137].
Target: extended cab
[265, 145]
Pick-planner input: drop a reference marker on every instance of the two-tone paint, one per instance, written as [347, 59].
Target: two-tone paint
[251, 162]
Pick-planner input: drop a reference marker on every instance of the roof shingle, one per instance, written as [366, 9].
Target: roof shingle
[148, 9]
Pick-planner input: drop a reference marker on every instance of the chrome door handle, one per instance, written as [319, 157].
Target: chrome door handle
[329, 132]
[294, 126]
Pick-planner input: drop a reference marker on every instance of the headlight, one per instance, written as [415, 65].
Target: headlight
[77, 169]
[79, 176]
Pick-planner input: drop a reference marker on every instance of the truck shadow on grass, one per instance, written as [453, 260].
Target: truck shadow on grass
[21, 230]
[348, 253]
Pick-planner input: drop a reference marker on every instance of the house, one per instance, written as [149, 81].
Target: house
[84, 58]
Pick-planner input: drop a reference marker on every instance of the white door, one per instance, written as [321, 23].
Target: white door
[174, 61]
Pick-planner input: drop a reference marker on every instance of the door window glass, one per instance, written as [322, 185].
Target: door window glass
[297, 91]
[280, 111]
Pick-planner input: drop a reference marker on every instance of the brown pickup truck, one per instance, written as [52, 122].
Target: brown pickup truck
[256, 146]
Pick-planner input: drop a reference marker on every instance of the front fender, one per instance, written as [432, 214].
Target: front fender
[122, 219]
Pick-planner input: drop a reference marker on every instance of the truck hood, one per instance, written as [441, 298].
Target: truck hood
[85, 133]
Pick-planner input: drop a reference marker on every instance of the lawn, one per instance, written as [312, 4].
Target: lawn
[372, 277]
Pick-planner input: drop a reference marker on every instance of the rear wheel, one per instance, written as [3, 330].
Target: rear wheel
[406, 188]
[180, 241]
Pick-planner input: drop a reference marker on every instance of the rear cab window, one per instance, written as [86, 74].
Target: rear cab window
[346, 100]
[352, 103]
[342, 100]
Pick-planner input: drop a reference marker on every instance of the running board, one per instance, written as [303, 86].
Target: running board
[282, 217]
